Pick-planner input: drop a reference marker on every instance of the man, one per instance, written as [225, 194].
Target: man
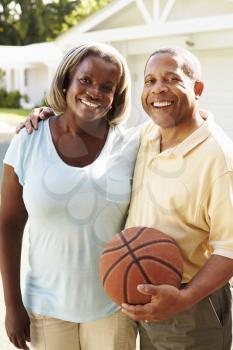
[183, 186]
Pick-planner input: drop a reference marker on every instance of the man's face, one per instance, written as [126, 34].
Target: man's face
[169, 96]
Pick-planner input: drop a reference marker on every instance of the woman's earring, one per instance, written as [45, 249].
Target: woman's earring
[64, 91]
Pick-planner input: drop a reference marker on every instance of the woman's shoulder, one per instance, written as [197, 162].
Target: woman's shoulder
[129, 133]
[24, 136]
[23, 142]
[125, 137]
[124, 141]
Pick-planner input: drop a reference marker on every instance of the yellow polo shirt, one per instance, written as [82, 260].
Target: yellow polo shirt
[187, 192]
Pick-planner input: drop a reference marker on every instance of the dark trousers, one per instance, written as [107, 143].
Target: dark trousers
[206, 326]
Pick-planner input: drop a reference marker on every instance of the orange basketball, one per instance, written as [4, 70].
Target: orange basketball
[135, 256]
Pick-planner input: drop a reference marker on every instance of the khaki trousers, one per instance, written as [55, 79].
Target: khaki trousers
[115, 332]
[206, 326]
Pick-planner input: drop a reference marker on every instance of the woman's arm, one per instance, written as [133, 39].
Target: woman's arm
[13, 217]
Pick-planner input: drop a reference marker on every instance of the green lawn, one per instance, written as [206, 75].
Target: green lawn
[11, 115]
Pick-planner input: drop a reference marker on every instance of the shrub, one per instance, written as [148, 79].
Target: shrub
[2, 77]
[44, 101]
[3, 95]
[11, 99]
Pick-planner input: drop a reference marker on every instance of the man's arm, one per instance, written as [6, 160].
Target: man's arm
[168, 301]
[33, 119]
[13, 217]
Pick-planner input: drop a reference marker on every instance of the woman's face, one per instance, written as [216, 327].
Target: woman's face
[91, 90]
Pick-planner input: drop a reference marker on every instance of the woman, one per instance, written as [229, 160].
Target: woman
[72, 181]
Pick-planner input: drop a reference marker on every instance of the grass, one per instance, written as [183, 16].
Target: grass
[13, 111]
[12, 116]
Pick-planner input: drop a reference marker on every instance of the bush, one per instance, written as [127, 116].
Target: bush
[13, 99]
[3, 95]
[44, 101]
[10, 99]
[2, 77]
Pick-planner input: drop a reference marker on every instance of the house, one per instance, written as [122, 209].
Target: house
[136, 28]
[30, 69]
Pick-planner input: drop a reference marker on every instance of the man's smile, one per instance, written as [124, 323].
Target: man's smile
[162, 104]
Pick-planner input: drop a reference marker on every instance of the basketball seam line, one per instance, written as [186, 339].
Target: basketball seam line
[139, 246]
[135, 260]
[122, 257]
[148, 256]
[145, 257]
[113, 265]
[163, 262]
[134, 250]
[131, 240]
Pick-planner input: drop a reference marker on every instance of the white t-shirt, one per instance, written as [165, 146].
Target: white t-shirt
[72, 212]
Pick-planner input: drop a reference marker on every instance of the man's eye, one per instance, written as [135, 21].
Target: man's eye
[148, 82]
[172, 79]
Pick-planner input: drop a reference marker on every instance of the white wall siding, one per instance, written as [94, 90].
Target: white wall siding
[136, 65]
[199, 8]
[218, 76]
[37, 83]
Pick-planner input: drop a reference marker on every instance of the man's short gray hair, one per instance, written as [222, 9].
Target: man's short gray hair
[190, 64]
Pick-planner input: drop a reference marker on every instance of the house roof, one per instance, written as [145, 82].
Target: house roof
[36, 53]
[97, 18]
[133, 26]
[123, 20]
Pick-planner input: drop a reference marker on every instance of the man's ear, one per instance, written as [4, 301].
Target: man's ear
[198, 89]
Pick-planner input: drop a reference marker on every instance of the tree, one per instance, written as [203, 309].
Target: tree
[8, 34]
[25, 22]
[85, 9]
[29, 21]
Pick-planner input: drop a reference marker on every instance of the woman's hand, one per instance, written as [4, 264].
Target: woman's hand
[17, 324]
[34, 118]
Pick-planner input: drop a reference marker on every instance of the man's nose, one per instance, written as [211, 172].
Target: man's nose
[158, 87]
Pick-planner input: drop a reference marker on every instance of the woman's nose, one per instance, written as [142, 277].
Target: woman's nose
[94, 92]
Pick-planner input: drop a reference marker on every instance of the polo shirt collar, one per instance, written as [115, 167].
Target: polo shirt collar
[192, 141]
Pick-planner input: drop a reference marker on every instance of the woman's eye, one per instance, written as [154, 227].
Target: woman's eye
[84, 80]
[107, 88]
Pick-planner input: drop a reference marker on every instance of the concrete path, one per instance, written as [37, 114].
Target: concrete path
[6, 128]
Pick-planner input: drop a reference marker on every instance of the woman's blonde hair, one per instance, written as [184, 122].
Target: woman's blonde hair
[56, 96]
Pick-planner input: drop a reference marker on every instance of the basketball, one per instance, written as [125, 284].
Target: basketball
[135, 256]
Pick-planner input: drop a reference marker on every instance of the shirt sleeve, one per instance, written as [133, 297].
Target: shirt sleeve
[220, 210]
[16, 153]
